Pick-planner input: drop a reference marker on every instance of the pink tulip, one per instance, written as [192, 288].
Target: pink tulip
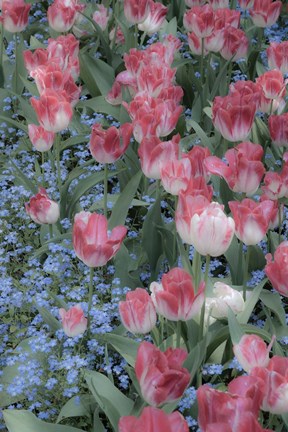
[153, 420]
[101, 16]
[73, 321]
[155, 18]
[233, 116]
[175, 175]
[192, 3]
[175, 297]
[119, 38]
[197, 156]
[235, 44]
[137, 312]
[275, 381]
[62, 14]
[154, 153]
[42, 209]
[91, 242]
[64, 51]
[211, 232]
[249, 91]
[265, 13]
[107, 146]
[245, 169]
[252, 351]
[277, 270]
[33, 60]
[248, 387]
[40, 138]
[224, 297]
[53, 111]
[195, 44]
[277, 54]
[273, 91]
[15, 15]
[251, 219]
[136, 11]
[161, 377]
[278, 129]
[225, 17]
[276, 184]
[198, 186]
[200, 20]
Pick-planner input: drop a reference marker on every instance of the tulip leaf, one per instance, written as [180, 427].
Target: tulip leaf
[78, 406]
[123, 345]
[235, 329]
[97, 424]
[97, 75]
[206, 142]
[25, 421]
[273, 302]
[49, 319]
[111, 400]
[100, 105]
[250, 303]
[121, 207]
[24, 179]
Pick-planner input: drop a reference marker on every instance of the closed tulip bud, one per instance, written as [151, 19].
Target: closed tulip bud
[136, 11]
[275, 384]
[251, 219]
[15, 15]
[161, 377]
[175, 175]
[273, 91]
[62, 14]
[101, 16]
[277, 54]
[138, 312]
[40, 138]
[278, 129]
[107, 146]
[252, 351]
[74, 322]
[153, 420]
[155, 18]
[277, 270]
[235, 44]
[211, 232]
[42, 209]
[53, 111]
[92, 243]
[33, 60]
[175, 297]
[200, 20]
[265, 13]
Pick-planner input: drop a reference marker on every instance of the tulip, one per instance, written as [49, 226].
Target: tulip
[40, 138]
[154, 153]
[278, 129]
[62, 14]
[211, 232]
[245, 169]
[251, 219]
[265, 13]
[235, 44]
[175, 175]
[15, 15]
[277, 54]
[200, 20]
[252, 351]
[273, 91]
[101, 16]
[249, 91]
[196, 46]
[42, 209]
[233, 116]
[248, 387]
[33, 60]
[64, 51]
[192, 3]
[92, 244]
[197, 156]
[275, 379]
[277, 270]
[73, 321]
[136, 11]
[198, 186]
[137, 312]
[175, 297]
[153, 420]
[276, 184]
[155, 18]
[224, 297]
[246, 4]
[107, 146]
[161, 377]
[53, 111]
[119, 38]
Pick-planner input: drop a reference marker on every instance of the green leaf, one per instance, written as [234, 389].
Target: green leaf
[250, 303]
[113, 402]
[121, 208]
[235, 329]
[78, 406]
[97, 75]
[25, 421]
[100, 105]
[196, 357]
[24, 179]
[127, 347]
[274, 303]
[97, 424]
[49, 319]
[206, 142]
[234, 257]
[56, 239]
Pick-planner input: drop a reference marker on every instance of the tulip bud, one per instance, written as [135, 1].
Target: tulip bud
[252, 351]
[73, 321]
[42, 209]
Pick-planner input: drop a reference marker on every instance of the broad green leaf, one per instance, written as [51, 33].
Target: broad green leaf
[78, 406]
[56, 239]
[274, 303]
[206, 142]
[25, 421]
[127, 347]
[250, 303]
[14, 123]
[24, 179]
[74, 140]
[234, 256]
[111, 400]
[196, 357]
[125, 267]
[49, 319]
[121, 208]
[100, 105]
[97, 75]
[235, 329]
[97, 424]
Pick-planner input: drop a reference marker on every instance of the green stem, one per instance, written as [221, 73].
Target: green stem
[16, 75]
[136, 35]
[178, 334]
[202, 62]
[202, 317]
[260, 37]
[105, 197]
[279, 222]
[1, 51]
[42, 167]
[58, 166]
[50, 231]
[246, 272]
[196, 266]
[90, 295]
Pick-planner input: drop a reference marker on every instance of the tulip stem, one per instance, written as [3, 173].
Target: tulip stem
[279, 222]
[1, 53]
[202, 316]
[90, 295]
[196, 268]
[105, 189]
[42, 167]
[50, 231]
[178, 334]
[58, 166]
[246, 272]
[16, 75]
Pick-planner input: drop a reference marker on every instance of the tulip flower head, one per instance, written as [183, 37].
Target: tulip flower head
[42, 209]
[73, 321]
